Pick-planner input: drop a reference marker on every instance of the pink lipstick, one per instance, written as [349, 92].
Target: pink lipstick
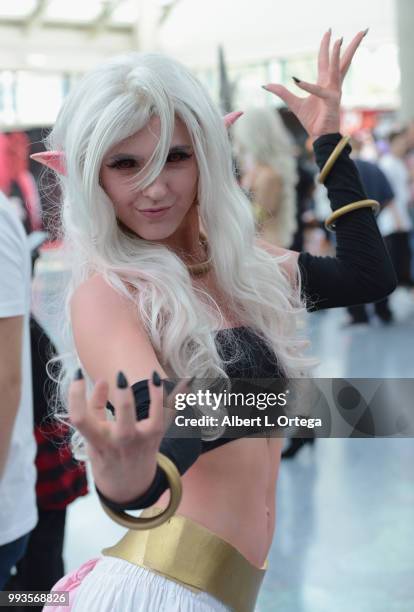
[154, 213]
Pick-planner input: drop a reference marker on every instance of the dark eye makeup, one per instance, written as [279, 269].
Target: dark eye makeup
[127, 163]
[123, 164]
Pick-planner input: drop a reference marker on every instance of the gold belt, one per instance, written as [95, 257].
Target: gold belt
[190, 554]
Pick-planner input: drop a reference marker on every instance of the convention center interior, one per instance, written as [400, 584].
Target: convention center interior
[207, 305]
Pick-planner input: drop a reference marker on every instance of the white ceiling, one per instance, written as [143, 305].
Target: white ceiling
[72, 12]
[75, 35]
[45, 39]
[257, 30]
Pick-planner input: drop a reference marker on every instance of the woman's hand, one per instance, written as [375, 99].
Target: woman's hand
[319, 113]
[122, 452]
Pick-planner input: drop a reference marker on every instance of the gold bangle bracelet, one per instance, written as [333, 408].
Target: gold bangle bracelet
[330, 221]
[332, 158]
[136, 522]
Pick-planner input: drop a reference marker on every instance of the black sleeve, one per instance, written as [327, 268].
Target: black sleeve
[183, 452]
[362, 270]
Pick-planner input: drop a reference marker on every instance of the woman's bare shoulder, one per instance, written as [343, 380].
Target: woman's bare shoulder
[267, 175]
[261, 176]
[289, 265]
[97, 308]
[96, 290]
[109, 335]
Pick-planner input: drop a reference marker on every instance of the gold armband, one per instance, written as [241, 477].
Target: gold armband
[134, 522]
[330, 221]
[332, 158]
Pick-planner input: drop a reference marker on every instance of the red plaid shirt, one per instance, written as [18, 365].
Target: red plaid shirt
[60, 478]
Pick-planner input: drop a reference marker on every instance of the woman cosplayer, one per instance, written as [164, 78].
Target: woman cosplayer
[169, 281]
[265, 149]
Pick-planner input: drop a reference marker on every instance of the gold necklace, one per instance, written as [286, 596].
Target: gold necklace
[199, 269]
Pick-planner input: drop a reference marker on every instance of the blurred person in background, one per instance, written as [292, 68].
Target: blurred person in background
[305, 188]
[266, 154]
[378, 188]
[316, 238]
[18, 513]
[395, 221]
[306, 222]
[410, 165]
[16, 180]
[60, 479]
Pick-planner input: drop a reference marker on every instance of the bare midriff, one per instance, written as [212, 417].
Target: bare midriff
[231, 490]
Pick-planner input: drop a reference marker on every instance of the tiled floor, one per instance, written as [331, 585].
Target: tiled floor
[345, 508]
[344, 539]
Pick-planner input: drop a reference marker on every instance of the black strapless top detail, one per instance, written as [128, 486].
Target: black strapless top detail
[254, 361]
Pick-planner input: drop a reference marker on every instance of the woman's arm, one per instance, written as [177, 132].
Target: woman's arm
[183, 452]
[361, 271]
[109, 338]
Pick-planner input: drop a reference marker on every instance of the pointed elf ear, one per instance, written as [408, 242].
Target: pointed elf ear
[56, 159]
[52, 159]
[231, 118]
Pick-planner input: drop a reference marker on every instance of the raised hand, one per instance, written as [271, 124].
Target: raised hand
[123, 451]
[319, 113]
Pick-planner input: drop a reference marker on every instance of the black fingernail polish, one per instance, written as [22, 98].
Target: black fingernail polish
[121, 381]
[296, 79]
[190, 382]
[78, 374]
[156, 380]
[264, 87]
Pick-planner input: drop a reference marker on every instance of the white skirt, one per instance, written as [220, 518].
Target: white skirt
[115, 585]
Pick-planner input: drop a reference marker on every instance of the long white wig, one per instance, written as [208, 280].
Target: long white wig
[110, 104]
[262, 135]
